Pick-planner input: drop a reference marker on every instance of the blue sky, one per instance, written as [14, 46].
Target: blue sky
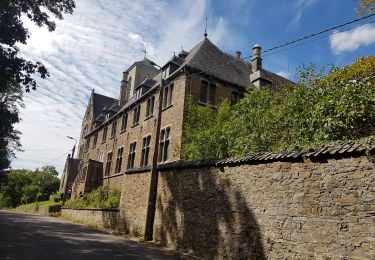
[92, 47]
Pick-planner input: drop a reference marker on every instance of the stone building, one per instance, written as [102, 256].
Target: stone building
[118, 135]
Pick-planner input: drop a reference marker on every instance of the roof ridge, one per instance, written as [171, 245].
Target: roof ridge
[104, 96]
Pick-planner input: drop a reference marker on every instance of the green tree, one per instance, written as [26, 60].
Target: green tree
[12, 187]
[16, 72]
[25, 186]
[365, 7]
[10, 101]
[15, 69]
[329, 105]
[47, 181]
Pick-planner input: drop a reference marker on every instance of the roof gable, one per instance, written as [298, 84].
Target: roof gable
[101, 101]
[205, 55]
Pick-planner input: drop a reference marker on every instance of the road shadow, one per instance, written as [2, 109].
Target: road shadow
[24, 236]
[200, 212]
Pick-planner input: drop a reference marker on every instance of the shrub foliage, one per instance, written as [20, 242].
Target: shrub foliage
[326, 106]
[102, 198]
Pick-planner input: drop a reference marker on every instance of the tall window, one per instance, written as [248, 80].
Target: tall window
[105, 129]
[101, 157]
[113, 130]
[164, 144]
[208, 91]
[150, 106]
[167, 96]
[108, 164]
[131, 155]
[87, 144]
[145, 150]
[124, 122]
[95, 140]
[136, 113]
[120, 151]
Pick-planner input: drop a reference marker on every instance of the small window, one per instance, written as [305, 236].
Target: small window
[108, 164]
[95, 140]
[235, 97]
[105, 129]
[145, 150]
[113, 130]
[150, 106]
[120, 151]
[136, 113]
[208, 92]
[101, 157]
[131, 155]
[164, 144]
[124, 122]
[168, 96]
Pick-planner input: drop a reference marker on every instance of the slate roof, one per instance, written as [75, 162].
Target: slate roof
[148, 82]
[206, 55]
[101, 101]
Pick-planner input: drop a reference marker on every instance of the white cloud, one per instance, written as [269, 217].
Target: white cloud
[284, 74]
[90, 49]
[353, 39]
[299, 9]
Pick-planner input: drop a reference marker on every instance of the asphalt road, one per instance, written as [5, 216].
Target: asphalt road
[24, 236]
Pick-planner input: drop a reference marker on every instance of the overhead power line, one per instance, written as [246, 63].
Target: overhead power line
[54, 159]
[318, 33]
[302, 39]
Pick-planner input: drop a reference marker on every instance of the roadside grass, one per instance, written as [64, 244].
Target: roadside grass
[54, 200]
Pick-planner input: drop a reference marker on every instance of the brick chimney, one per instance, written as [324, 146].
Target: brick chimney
[238, 54]
[124, 89]
[256, 61]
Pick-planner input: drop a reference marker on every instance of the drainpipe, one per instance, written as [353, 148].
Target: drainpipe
[154, 172]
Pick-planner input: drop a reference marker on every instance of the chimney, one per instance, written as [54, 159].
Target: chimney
[123, 89]
[256, 61]
[238, 54]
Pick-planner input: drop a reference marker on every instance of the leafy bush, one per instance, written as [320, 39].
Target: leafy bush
[56, 197]
[102, 198]
[321, 109]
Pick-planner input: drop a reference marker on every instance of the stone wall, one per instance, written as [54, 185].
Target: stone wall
[279, 210]
[98, 217]
[40, 210]
[133, 202]
[114, 182]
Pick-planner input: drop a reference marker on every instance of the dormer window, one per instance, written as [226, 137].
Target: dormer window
[107, 117]
[138, 93]
[166, 72]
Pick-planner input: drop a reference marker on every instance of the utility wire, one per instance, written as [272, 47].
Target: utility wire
[289, 43]
[56, 158]
[316, 39]
[318, 33]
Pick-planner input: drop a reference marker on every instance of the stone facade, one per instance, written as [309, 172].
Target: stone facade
[279, 210]
[103, 135]
[68, 176]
